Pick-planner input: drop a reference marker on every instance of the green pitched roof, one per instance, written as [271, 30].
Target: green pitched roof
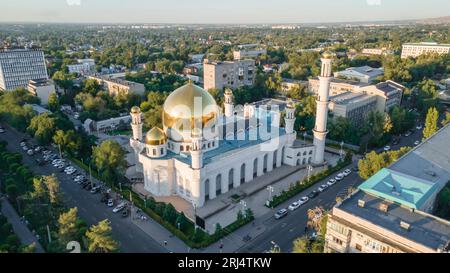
[400, 188]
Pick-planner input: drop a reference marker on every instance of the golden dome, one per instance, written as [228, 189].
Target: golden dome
[189, 105]
[228, 92]
[155, 136]
[327, 55]
[135, 110]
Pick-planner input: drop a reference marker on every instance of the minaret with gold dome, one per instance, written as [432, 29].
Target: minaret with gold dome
[136, 139]
[320, 129]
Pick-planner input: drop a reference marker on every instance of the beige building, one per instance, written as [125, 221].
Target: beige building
[392, 211]
[353, 106]
[118, 85]
[230, 74]
[388, 93]
[376, 51]
[41, 89]
[417, 49]
[248, 53]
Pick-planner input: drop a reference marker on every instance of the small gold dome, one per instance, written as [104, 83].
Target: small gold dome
[155, 136]
[327, 55]
[135, 110]
[189, 105]
[228, 92]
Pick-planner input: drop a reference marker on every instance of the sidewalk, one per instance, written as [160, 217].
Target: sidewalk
[20, 229]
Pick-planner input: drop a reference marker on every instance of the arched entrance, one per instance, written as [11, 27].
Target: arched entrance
[218, 184]
[255, 167]
[243, 173]
[265, 163]
[230, 179]
[206, 189]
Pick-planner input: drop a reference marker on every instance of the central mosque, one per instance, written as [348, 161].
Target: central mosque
[201, 153]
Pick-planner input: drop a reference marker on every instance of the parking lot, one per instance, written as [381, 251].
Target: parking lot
[90, 207]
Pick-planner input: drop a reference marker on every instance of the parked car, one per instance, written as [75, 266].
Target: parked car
[110, 202]
[347, 172]
[281, 213]
[30, 152]
[303, 200]
[25, 148]
[313, 194]
[322, 188]
[419, 127]
[95, 189]
[38, 149]
[294, 206]
[416, 143]
[23, 143]
[119, 207]
[387, 148]
[407, 134]
[339, 176]
[2, 130]
[331, 182]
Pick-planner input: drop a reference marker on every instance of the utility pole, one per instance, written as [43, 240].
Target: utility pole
[48, 233]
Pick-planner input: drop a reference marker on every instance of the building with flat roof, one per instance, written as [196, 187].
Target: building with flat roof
[41, 89]
[416, 49]
[391, 212]
[376, 51]
[19, 66]
[116, 84]
[388, 94]
[82, 67]
[248, 53]
[353, 106]
[364, 74]
[230, 74]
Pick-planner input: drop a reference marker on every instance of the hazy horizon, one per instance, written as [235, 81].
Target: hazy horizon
[228, 12]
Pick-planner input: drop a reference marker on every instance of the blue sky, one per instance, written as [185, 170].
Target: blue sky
[219, 11]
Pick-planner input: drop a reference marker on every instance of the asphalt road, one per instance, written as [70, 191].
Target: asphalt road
[285, 230]
[130, 237]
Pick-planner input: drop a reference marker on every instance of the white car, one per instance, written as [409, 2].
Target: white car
[119, 207]
[2, 130]
[110, 202]
[387, 148]
[331, 182]
[38, 149]
[303, 200]
[339, 177]
[25, 148]
[416, 143]
[294, 206]
[322, 188]
[23, 143]
[419, 127]
[30, 152]
[347, 172]
[70, 171]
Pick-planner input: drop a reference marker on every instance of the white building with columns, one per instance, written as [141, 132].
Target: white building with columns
[200, 153]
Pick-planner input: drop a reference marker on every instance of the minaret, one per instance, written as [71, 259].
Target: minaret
[196, 149]
[320, 129]
[289, 121]
[136, 140]
[136, 123]
[228, 104]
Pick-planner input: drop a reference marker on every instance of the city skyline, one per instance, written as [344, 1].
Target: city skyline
[232, 11]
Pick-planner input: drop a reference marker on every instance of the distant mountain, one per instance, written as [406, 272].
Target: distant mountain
[438, 20]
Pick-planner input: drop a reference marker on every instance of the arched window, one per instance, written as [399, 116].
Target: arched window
[266, 158]
[255, 167]
[218, 184]
[154, 151]
[304, 153]
[206, 189]
[181, 148]
[243, 173]
[311, 152]
[230, 179]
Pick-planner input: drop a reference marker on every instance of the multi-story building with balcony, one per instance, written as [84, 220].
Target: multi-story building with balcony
[230, 74]
[416, 49]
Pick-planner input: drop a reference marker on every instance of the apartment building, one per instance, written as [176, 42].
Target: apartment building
[243, 54]
[416, 49]
[228, 74]
[388, 93]
[82, 67]
[353, 106]
[364, 74]
[392, 212]
[376, 51]
[41, 89]
[116, 84]
[19, 66]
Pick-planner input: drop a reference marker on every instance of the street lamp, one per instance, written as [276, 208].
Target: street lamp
[270, 190]
[310, 169]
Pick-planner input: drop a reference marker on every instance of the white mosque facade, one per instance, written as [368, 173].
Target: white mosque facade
[200, 153]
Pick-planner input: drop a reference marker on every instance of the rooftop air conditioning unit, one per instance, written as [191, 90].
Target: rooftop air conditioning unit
[404, 225]
[361, 203]
[384, 207]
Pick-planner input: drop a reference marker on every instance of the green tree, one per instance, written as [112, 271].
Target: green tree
[430, 123]
[68, 140]
[219, 231]
[301, 245]
[109, 157]
[100, 239]
[170, 214]
[446, 120]
[42, 127]
[52, 184]
[68, 228]
[373, 162]
[53, 103]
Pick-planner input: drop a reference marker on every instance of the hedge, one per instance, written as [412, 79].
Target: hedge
[305, 183]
